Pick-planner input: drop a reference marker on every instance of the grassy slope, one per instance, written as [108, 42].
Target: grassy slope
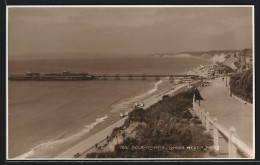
[167, 123]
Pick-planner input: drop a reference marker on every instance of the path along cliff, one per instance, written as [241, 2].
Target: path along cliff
[228, 110]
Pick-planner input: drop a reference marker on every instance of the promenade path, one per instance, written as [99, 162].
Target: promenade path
[229, 111]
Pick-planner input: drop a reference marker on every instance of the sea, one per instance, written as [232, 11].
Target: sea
[45, 118]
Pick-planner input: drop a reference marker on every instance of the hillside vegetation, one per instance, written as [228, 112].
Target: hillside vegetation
[167, 127]
[241, 85]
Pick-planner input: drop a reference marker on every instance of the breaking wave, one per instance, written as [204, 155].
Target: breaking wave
[126, 104]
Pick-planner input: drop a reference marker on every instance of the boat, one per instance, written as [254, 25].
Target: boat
[64, 76]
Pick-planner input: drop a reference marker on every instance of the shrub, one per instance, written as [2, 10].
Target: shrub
[196, 121]
[137, 115]
[165, 97]
[242, 85]
[91, 155]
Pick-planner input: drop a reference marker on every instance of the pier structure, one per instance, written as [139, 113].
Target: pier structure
[66, 75]
[143, 76]
[236, 147]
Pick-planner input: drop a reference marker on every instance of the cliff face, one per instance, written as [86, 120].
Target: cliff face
[230, 58]
[218, 55]
[231, 62]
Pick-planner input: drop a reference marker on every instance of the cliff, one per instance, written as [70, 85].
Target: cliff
[231, 62]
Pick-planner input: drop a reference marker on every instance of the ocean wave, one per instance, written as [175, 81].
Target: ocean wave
[52, 143]
[127, 103]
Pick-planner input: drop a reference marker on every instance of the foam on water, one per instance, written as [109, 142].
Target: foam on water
[127, 103]
[53, 143]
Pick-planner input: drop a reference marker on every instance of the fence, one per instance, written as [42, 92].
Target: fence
[236, 147]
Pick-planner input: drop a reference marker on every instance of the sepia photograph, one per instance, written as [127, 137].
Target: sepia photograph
[130, 82]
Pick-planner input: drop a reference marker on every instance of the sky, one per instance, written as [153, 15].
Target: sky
[76, 32]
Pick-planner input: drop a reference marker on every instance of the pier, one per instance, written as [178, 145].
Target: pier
[143, 76]
[85, 76]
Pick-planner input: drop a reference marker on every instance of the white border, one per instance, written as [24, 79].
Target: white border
[130, 6]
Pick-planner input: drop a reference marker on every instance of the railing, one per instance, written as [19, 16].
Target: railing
[236, 146]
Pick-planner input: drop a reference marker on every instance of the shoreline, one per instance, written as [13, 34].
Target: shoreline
[41, 150]
[49, 148]
[101, 135]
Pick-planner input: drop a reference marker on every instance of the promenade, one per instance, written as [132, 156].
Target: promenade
[228, 110]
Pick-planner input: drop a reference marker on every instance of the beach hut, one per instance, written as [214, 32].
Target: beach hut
[141, 104]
